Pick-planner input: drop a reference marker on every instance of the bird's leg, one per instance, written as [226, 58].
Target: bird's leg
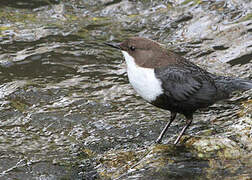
[173, 116]
[188, 122]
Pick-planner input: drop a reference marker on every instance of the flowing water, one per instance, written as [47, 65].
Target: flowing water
[67, 110]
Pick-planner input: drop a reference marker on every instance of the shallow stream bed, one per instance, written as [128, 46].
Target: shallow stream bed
[67, 110]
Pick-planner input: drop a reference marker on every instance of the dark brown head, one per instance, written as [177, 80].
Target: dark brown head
[146, 53]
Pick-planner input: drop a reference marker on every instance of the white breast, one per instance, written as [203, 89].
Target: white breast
[142, 79]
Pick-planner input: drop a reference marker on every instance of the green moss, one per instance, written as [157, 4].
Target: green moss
[195, 2]
[115, 163]
[247, 17]
[71, 17]
[99, 18]
[17, 16]
[3, 28]
[88, 152]
[84, 33]
[19, 105]
[133, 15]
[223, 148]
[247, 108]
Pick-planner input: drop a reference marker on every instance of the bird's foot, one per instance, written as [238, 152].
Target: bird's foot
[159, 140]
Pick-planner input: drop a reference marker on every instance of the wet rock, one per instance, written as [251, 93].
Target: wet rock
[212, 147]
[124, 7]
[159, 161]
[28, 4]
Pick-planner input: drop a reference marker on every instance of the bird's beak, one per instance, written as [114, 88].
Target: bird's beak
[114, 45]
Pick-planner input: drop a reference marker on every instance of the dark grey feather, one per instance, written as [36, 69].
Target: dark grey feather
[186, 88]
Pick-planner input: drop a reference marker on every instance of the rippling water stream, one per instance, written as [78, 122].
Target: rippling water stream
[67, 110]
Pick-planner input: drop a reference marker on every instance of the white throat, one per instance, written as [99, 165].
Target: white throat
[142, 79]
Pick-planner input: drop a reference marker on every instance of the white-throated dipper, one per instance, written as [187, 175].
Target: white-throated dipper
[171, 82]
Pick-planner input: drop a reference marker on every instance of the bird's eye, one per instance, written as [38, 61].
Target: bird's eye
[132, 48]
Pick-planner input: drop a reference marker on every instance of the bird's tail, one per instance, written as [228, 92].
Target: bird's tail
[241, 84]
[227, 85]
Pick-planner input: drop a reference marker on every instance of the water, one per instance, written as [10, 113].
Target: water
[68, 111]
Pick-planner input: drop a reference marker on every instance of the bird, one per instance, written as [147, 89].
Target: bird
[172, 82]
